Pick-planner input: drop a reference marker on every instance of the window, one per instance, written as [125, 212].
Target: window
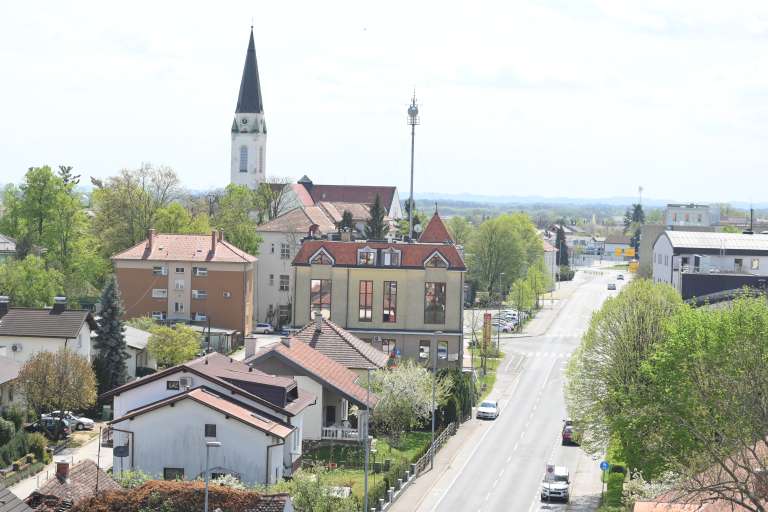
[178, 307]
[200, 271]
[424, 349]
[172, 385]
[755, 263]
[179, 270]
[442, 350]
[687, 217]
[388, 346]
[284, 282]
[436, 261]
[159, 315]
[698, 217]
[284, 313]
[243, 159]
[160, 271]
[210, 430]
[320, 297]
[173, 473]
[285, 251]
[366, 301]
[390, 301]
[366, 257]
[738, 264]
[261, 159]
[434, 303]
[159, 293]
[227, 295]
[321, 258]
[674, 217]
[391, 258]
[271, 279]
[179, 284]
[684, 264]
[272, 250]
[200, 317]
[199, 294]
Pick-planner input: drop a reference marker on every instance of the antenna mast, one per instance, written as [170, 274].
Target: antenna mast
[413, 120]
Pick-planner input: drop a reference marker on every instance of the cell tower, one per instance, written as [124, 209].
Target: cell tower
[413, 120]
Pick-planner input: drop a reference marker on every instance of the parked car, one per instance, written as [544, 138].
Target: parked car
[52, 428]
[568, 435]
[620, 277]
[502, 326]
[263, 329]
[79, 422]
[556, 486]
[611, 286]
[489, 409]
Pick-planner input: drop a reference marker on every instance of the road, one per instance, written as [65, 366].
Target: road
[503, 467]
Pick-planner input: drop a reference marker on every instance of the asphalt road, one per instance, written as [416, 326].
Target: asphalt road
[506, 466]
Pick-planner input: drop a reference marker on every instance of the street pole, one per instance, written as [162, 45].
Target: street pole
[498, 327]
[365, 440]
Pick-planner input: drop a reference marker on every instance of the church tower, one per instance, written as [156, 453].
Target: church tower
[249, 130]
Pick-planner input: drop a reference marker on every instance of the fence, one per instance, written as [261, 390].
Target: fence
[423, 462]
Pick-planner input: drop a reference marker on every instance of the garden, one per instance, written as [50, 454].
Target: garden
[21, 454]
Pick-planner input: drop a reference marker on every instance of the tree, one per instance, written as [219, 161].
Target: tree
[272, 198]
[346, 222]
[605, 390]
[60, 380]
[375, 227]
[418, 220]
[405, 397]
[561, 259]
[28, 283]
[461, 230]
[39, 192]
[173, 345]
[174, 218]
[233, 216]
[110, 340]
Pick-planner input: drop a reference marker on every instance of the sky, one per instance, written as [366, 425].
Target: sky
[546, 98]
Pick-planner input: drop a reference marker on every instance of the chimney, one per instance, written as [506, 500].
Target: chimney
[313, 230]
[4, 300]
[214, 235]
[250, 346]
[151, 239]
[62, 471]
[318, 321]
[286, 340]
[346, 235]
[221, 235]
[59, 304]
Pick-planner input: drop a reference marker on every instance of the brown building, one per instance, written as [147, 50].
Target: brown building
[197, 278]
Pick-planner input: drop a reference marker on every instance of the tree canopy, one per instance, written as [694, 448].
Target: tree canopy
[28, 283]
[173, 345]
[233, 216]
[60, 380]
[375, 228]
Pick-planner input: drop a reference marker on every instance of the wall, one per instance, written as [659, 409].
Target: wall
[271, 263]
[697, 285]
[32, 345]
[662, 267]
[256, 143]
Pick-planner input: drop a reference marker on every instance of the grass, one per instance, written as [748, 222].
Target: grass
[485, 382]
[620, 266]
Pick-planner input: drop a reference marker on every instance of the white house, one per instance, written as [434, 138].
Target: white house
[550, 261]
[691, 214]
[10, 392]
[164, 420]
[136, 341]
[27, 331]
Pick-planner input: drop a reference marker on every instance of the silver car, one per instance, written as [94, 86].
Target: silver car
[489, 410]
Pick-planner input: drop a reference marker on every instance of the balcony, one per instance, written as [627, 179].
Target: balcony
[337, 433]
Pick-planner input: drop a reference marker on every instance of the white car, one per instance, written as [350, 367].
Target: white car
[263, 329]
[557, 485]
[78, 422]
[489, 409]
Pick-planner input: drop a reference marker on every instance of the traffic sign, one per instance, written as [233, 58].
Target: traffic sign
[604, 465]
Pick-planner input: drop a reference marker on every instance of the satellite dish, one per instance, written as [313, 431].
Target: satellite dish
[417, 228]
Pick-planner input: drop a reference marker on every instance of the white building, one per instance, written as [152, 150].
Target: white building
[550, 261]
[27, 331]
[249, 129]
[10, 391]
[136, 341]
[165, 419]
[691, 215]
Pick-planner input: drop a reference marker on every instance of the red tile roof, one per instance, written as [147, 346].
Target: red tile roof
[351, 194]
[342, 346]
[413, 255]
[195, 248]
[80, 486]
[436, 231]
[548, 247]
[328, 371]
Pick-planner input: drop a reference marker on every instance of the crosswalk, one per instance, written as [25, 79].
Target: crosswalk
[553, 355]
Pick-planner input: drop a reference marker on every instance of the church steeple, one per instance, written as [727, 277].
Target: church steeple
[249, 99]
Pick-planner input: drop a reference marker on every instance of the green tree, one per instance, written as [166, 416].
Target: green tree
[173, 345]
[110, 364]
[28, 283]
[375, 227]
[522, 295]
[272, 198]
[461, 230]
[39, 193]
[174, 218]
[562, 248]
[233, 216]
[346, 221]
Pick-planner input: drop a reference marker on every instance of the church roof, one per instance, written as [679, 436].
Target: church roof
[436, 231]
[249, 99]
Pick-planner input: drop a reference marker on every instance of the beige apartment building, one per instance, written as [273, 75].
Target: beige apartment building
[392, 294]
[198, 278]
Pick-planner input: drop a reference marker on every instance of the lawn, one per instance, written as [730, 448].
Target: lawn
[485, 382]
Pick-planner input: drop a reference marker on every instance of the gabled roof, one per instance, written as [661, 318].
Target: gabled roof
[352, 194]
[299, 220]
[194, 248]
[329, 372]
[342, 346]
[413, 255]
[45, 323]
[10, 503]
[80, 485]
[359, 211]
[9, 370]
[219, 402]
[249, 98]
[548, 247]
[136, 338]
[436, 232]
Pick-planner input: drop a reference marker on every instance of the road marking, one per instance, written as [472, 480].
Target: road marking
[495, 483]
[501, 473]
[513, 449]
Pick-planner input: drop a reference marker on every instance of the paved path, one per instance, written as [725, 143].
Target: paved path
[498, 465]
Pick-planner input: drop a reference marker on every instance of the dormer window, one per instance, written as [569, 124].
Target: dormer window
[436, 260]
[391, 258]
[321, 258]
[366, 257]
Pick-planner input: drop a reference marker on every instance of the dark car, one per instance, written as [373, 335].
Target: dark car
[568, 434]
[52, 428]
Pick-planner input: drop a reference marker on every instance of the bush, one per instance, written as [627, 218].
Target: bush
[37, 445]
[16, 447]
[614, 489]
[143, 371]
[7, 429]
[132, 479]
[565, 273]
[14, 414]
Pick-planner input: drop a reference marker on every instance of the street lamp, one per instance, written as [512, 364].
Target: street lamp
[208, 446]
[434, 382]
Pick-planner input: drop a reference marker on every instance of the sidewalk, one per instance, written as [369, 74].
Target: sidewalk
[90, 450]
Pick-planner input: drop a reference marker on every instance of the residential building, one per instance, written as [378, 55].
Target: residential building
[649, 233]
[335, 386]
[27, 331]
[691, 214]
[249, 128]
[190, 278]
[139, 361]
[71, 486]
[616, 245]
[7, 248]
[550, 261]
[699, 263]
[10, 391]
[166, 418]
[393, 294]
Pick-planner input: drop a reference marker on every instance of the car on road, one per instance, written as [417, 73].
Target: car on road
[620, 277]
[502, 326]
[488, 409]
[263, 329]
[52, 428]
[611, 286]
[77, 421]
[568, 435]
[556, 485]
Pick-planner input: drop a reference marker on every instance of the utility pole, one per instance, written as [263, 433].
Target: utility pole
[365, 439]
[413, 120]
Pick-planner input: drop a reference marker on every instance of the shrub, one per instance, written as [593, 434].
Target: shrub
[14, 414]
[7, 429]
[132, 479]
[143, 371]
[565, 273]
[37, 445]
[16, 447]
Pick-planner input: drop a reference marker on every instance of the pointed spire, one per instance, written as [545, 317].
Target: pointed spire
[249, 99]
[436, 232]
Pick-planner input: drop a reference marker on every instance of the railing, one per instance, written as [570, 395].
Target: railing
[340, 434]
[423, 462]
